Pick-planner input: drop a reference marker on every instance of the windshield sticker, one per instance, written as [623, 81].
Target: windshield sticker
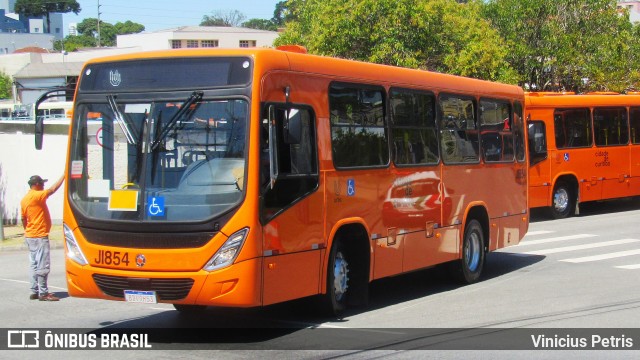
[155, 206]
[123, 200]
[98, 188]
[76, 169]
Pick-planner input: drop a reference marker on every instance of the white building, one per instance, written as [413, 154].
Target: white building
[198, 37]
[634, 9]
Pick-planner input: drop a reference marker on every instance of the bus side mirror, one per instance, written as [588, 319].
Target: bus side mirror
[39, 132]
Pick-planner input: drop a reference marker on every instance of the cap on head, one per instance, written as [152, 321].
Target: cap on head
[36, 179]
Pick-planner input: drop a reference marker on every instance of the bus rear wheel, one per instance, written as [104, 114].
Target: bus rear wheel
[469, 268]
[337, 280]
[563, 201]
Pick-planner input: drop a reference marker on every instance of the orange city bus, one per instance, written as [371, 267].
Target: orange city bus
[247, 177]
[582, 148]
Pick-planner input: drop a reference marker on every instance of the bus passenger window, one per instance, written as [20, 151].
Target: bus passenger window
[496, 131]
[413, 127]
[610, 126]
[634, 120]
[358, 133]
[458, 130]
[572, 128]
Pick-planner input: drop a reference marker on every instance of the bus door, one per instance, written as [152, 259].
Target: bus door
[291, 203]
[540, 171]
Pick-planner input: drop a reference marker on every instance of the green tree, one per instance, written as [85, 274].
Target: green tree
[75, 42]
[260, 24]
[6, 83]
[108, 32]
[439, 35]
[575, 45]
[45, 7]
[281, 14]
[231, 19]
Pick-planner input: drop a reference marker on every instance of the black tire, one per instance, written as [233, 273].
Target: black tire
[469, 268]
[563, 201]
[338, 282]
[190, 309]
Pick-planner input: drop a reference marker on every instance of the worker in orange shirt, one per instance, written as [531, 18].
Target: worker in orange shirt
[36, 221]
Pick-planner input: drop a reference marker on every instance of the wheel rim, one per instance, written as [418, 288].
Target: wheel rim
[472, 252]
[561, 200]
[340, 278]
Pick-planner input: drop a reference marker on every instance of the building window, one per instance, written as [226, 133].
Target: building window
[57, 30]
[209, 43]
[176, 44]
[36, 30]
[247, 43]
[192, 43]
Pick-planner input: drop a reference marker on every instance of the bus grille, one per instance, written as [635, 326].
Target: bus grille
[147, 240]
[166, 289]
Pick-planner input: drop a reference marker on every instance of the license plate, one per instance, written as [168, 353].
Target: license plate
[136, 296]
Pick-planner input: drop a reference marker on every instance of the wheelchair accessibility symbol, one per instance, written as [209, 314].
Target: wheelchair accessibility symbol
[351, 187]
[155, 206]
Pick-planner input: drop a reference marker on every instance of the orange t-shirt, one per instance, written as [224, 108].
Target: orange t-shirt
[35, 210]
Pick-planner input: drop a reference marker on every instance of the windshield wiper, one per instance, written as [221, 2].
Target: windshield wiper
[185, 108]
[122, 120]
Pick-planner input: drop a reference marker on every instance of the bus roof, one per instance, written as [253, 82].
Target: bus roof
[583, 100]
[293, 58]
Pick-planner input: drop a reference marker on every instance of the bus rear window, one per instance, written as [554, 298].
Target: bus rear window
[174, 73]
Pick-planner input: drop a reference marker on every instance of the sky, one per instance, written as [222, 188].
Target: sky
[165, 14]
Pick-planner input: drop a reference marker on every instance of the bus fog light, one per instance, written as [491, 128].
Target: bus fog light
[228, 252]
[73, 250]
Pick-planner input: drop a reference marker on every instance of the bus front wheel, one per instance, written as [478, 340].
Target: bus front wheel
[337, 280]
[563, 201]
[469, 268]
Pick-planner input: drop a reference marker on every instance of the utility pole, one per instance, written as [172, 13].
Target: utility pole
[99, 22]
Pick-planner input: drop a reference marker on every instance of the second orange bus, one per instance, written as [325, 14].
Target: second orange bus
[582, 148]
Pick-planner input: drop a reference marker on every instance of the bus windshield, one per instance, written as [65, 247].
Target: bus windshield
[179, 161]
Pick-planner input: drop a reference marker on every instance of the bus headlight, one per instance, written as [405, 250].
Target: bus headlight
[73, 250]
[228, 252]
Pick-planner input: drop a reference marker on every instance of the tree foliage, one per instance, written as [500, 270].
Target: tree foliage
[6, 83]
[35, 8]
[576, 45]
[88, 34]
[230, 19]
[439, 35]
[260, 24]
